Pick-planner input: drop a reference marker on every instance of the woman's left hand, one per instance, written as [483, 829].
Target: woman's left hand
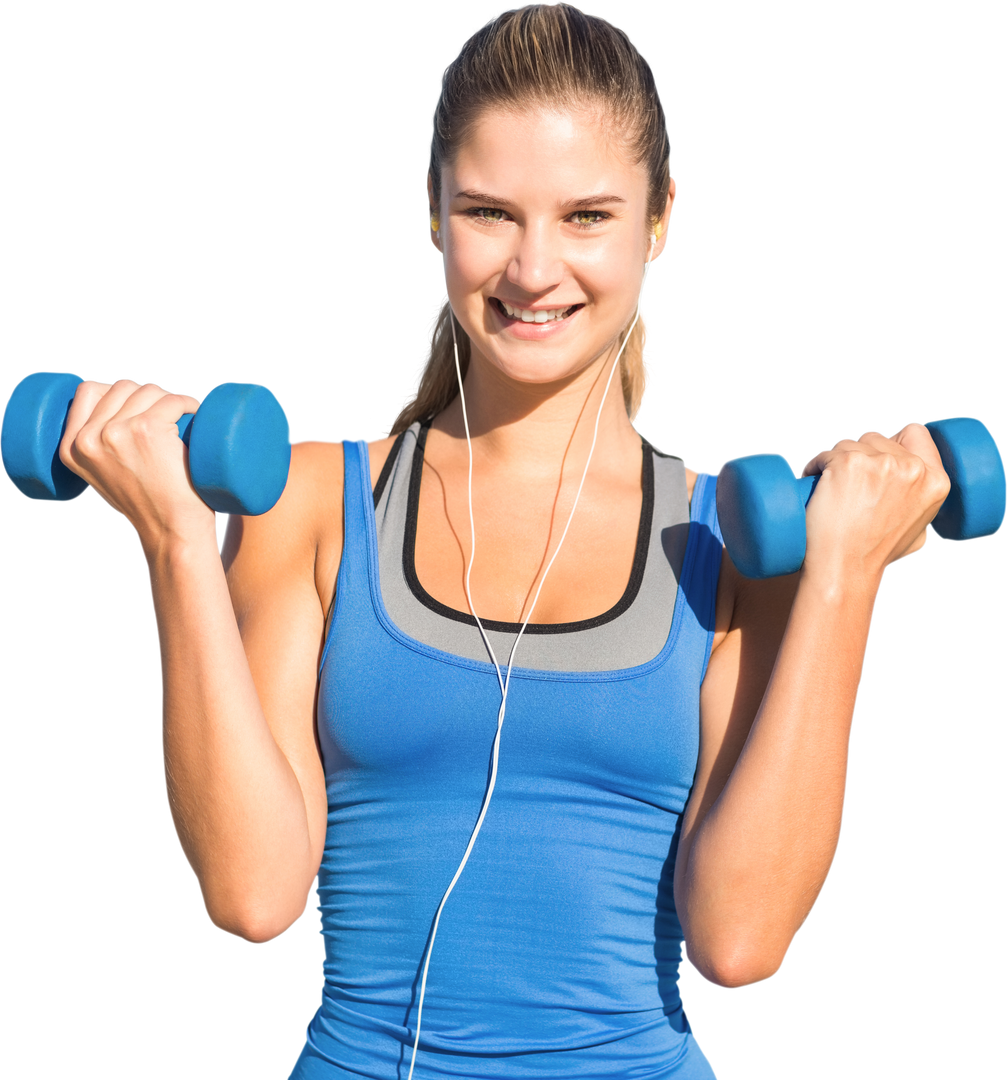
[873, 502]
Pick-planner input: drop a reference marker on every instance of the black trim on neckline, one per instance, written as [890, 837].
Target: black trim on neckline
[621, 605]
[386, 469]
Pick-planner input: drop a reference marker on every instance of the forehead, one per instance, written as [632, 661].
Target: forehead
[545, 151]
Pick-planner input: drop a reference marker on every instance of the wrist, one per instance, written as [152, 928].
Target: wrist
[841, 583]
[167, 548]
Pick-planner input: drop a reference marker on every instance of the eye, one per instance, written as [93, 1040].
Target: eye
[598, 214]
[478, 212]
[483, 214]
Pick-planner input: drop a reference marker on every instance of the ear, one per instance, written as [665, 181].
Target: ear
[662, 223]
[435, 235]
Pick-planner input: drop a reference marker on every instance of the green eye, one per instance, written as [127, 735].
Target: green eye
[478, 212]
[596, 214]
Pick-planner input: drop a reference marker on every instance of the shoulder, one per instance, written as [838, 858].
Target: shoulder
[310, 509]
[316, 481]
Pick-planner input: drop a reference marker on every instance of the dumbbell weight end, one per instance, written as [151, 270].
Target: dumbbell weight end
[760, 508]
[33, 425]
[978, 498]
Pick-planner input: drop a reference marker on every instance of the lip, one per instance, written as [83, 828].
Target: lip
[527, 331]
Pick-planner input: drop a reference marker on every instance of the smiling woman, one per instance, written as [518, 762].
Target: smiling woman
[535, 264]
[601, 110]
[510, 858]
[512, 862]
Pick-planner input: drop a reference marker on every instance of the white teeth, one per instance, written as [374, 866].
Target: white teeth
[525, 315]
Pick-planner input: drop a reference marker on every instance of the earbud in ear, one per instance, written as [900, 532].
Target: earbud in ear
[435, 223]
[658, 229]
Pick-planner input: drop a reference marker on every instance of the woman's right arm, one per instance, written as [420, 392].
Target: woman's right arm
[240, 659]
[239, 653]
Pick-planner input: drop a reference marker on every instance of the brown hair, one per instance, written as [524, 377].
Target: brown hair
[542, 54]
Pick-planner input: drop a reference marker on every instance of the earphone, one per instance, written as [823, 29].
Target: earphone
[502, 679]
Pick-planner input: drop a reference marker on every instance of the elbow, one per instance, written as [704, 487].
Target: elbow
[251, 928]
[253, 933]
[736, 963]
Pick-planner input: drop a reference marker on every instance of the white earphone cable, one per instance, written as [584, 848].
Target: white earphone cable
[501, 679]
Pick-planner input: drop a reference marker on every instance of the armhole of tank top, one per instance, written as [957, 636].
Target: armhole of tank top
[703, 511]
[379, 487]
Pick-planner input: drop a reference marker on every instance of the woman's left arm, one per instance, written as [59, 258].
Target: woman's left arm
[762, 822]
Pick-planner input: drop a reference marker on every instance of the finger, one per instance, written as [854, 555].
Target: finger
[100, 401]
[123, 398]
[88, 398]
[116, 399]
[172, 407]
[149, 412]
[871, 444]
[874, 440]
[93, 406]
[918, 440]
[85, 400]
[101, 414]
[820, 462]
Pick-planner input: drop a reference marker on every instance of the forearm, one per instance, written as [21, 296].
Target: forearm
[756, 860]
[238, 806]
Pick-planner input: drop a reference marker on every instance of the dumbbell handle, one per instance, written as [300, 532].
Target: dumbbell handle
[806, 487]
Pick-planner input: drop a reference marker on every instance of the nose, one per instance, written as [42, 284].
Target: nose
[536, 265]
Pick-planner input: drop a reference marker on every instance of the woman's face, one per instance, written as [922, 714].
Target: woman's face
[543, 225]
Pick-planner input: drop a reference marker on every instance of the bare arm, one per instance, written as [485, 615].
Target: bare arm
[244, 777]
[763, 820]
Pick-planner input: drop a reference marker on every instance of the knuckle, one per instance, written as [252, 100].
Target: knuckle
[87, 443]
[915, 468]
[889, 466]
[114, 434]
[140, 427]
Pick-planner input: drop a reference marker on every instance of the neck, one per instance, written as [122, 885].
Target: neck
[531, 426]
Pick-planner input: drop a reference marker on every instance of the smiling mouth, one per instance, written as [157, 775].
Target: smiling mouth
[516, 314]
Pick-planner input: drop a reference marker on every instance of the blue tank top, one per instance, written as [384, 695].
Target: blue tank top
[557, 954]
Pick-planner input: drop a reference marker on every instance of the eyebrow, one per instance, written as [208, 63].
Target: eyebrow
[570, 204]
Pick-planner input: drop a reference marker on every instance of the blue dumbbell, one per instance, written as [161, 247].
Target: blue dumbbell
[761, 504]
[239, 448]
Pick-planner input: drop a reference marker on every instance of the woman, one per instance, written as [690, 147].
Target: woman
[673, 756]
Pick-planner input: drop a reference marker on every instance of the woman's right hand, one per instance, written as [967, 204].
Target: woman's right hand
[123, 440]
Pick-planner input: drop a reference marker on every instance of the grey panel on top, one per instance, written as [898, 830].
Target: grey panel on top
[631, 633]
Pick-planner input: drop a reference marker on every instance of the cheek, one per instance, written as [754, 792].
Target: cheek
[612, 276]
[467, 271]
[615, 277]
